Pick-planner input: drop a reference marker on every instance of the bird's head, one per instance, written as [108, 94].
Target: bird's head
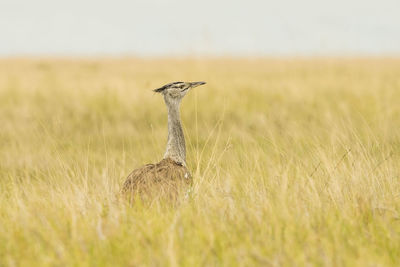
[177, 90]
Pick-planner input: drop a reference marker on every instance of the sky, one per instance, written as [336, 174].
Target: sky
[201, 27]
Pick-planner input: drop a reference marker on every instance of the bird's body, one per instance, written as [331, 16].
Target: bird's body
[169, 177]
[164, 179]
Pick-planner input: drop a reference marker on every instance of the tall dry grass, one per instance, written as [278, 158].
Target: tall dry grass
[295, 162]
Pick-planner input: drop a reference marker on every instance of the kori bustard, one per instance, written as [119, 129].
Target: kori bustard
[170, 176]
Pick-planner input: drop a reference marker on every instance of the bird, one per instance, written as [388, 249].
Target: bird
[167, 178]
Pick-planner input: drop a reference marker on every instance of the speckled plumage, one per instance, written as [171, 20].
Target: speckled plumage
[165, 179]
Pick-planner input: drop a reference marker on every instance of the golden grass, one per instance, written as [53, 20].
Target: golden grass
[295, 162]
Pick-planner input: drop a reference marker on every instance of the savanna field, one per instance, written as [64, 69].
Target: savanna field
[296, 162]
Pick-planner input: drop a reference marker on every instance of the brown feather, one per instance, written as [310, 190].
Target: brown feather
[166, 179]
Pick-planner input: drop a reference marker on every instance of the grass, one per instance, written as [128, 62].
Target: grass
[295, 162]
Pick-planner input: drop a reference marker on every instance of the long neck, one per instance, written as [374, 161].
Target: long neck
[176, 149]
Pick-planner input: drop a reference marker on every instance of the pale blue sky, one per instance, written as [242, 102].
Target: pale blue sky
[207, 27]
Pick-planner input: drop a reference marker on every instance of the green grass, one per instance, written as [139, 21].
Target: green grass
[296, 162]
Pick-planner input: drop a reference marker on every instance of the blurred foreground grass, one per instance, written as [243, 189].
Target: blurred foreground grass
[295, 162]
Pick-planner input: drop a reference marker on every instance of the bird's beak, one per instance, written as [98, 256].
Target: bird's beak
[195, 84]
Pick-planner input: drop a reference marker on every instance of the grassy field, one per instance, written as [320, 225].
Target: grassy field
[295, 162]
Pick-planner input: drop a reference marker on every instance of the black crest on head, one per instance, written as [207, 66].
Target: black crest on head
[159, 90]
